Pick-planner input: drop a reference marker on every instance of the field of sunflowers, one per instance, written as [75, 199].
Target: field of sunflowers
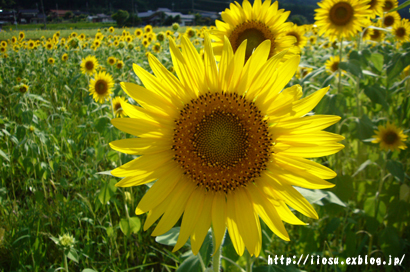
[210, 148]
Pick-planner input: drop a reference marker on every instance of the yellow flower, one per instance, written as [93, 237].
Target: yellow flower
[64, 57]
[175, 26]
[116, 104]
[145, 43]
[111, 29]
[224, 143]
[401, 31]
[391, 19]
[390, 4]
[13, 39]
[299, 33]
[111, 60]
[156, 48]
[3, 49]
[161, 36]
[254, 24]
[390, 137]
[101, 86]
[148, 29]
[51, 61]
[332, 64]
[23, 88]
[377, 35]
[119, 64]
[138, 32]
[21, 35]
[376, 7]
[89, 65]
[49, 45]
[3, 44]
[339, 19]
[190, 33]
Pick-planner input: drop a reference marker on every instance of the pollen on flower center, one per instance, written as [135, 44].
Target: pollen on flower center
[89, 65]
[253, 31]
[221, 141]
[341, 13]
[101, 87]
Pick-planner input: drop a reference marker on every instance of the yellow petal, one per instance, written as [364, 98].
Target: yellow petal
[159, 191]
[267, 212]
[176, 207]
[143, 164]
[159, 210]
[308, 151]
[141, 127]
[226, 65]
[305, 105]
[231, 223]
[218, 219]
[191, 214]
[139, 146]
[203, 225]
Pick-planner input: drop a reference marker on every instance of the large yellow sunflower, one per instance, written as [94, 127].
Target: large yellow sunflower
[390, 137]
[332, 64]
[299, 33]
[101, 86]
[401, 31]
[225, 143]
[89, 65]
[341, 18]
[391, 19]
[255, 24]
[376, 7]
[390, 4]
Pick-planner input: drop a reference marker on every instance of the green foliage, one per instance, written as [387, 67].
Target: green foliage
[120, 17]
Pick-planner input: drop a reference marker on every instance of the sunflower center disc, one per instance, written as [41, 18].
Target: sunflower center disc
[253, 31]
[101, 87]
[387, 6]
[221, 141]
[335, 66]
[388, 21]
[341, 13]
[400, 32]
[89, 65]
[390, 137]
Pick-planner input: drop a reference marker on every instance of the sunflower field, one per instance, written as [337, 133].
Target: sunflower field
[252, 145]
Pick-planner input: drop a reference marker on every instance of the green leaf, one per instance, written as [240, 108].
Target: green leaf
[396, 169]
[364, 127]
[170, 238]
[107, 191]
[101, 124]
[377, 60]
[73, 255]
[311, 195]
[89, 270]
[397, 64]
[376, 95]
[370, 206]
[362, 167]
[37, 97]
[135, 224]
[125, 226]
[4, 155]
[332, 226]
[191, 264]
[353, 67]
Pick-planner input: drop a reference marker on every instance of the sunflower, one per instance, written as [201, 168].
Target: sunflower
[190, 32]
[145, 43]
[111, 29]
[23, 88]
[128, 39]
[332, 64]
[89, 65]
[391, 19]
[169, 33]
[116, 104]
[3, 49]
[138, 32]
[156, 47]
[73, 35]
[81, 37]
[377, 35]
[224, 144]
[101, 86]
[64, 57]
[119, 64]
[111, 60]
[390, 4]
[175, 26]
[254, 24]
[401, 31]
[3, 43]
[148, 29]
[390, 137]
[161, 36]
[341, 18]
[376, 8]
[51, 61]
[299, 33]
[22, 35]
[49, 45]
[13, 39]
[31, 44]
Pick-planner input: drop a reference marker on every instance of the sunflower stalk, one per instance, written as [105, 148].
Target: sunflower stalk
[339, 86]
[216, 258]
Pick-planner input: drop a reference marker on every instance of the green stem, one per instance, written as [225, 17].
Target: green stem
[248, 261]
[65, 262]
[339, 89]
[216, 258]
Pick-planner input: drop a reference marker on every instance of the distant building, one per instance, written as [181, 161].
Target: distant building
[157, 17]
[8, 17]
[38, 19]
[100, 18]
[58, 12]
[27, 15]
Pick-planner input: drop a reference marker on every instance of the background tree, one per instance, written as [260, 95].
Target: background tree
[120, 17]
